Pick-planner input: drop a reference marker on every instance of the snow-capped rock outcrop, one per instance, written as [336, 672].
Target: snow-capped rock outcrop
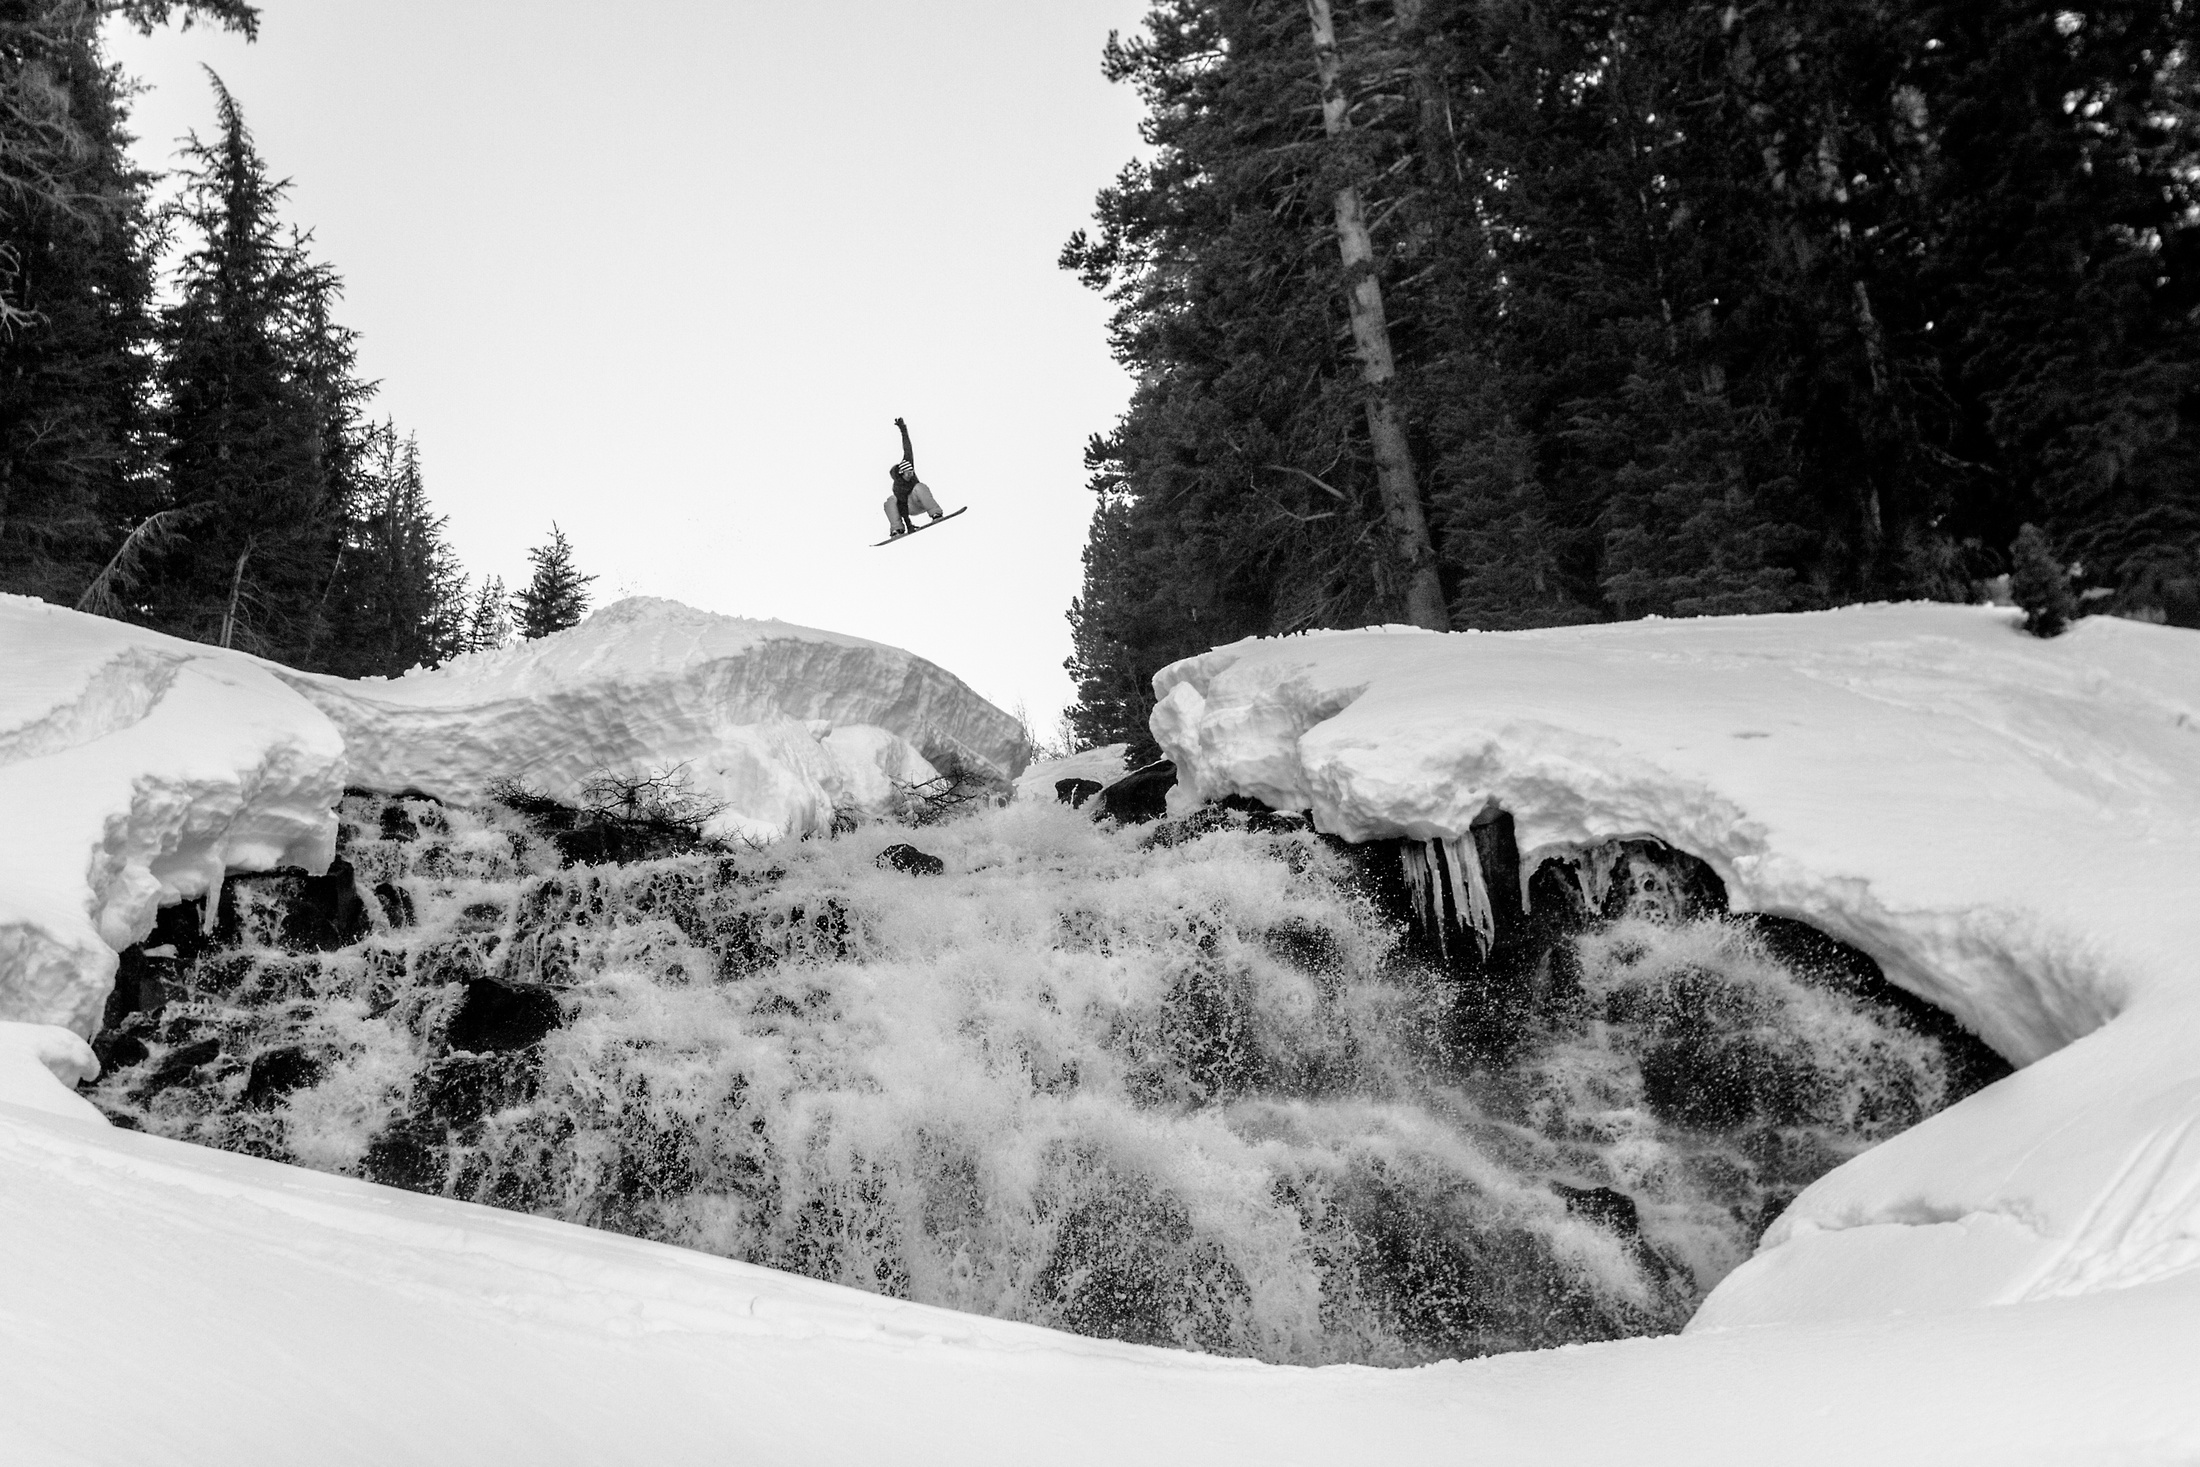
[782, 723]
[136, 768]
[2010, 826]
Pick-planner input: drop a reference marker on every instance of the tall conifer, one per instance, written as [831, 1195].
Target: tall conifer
[260, 400]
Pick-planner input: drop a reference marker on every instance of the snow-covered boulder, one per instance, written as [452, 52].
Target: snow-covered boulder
[1102, 765]
[782, 723]
[2010, 826]
[136, 768]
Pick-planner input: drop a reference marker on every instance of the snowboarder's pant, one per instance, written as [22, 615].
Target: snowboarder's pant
[920, 502]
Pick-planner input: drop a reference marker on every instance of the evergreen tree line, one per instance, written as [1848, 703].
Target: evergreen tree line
[1661, 307]
[199, 459]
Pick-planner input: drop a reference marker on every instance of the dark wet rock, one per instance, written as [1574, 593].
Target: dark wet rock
[180, 928]
[455, 960]
[460, 1089]
[1139, 796]
[321, 914]
[1604, 1206]
[1714, 1082]
[911, 860]
[1615, 1211]
[492, 1017]
[398, 823]
[143, 985]
[1074, 792]
[1304, 946]
[277, 1072]
[396, 903]
[405, 1156]
[1819, 958]
[118, 1051]
[178, 1063]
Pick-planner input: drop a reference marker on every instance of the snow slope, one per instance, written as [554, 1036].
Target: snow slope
[135, 768]
[191, 1306]
[2010, 826]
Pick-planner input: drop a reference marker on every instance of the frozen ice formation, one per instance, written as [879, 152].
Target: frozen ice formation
[2010, 826]
[136, 768]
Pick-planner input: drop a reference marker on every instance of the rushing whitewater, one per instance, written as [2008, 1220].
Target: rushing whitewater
[1180, 1090]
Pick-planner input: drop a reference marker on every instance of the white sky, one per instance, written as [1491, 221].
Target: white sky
[666, 272]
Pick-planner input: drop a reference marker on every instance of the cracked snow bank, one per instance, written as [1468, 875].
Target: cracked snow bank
[2010, 827]
[785, 724]
[134, 770]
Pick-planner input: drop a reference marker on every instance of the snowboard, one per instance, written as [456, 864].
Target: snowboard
[913, 529]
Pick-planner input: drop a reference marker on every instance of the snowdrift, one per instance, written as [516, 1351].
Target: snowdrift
[136, 768]
[2010, 827]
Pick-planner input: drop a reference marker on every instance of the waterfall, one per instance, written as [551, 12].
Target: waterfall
[1182, 1087]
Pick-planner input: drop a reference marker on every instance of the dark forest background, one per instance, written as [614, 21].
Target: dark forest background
[1654, 307]
[1694, 308]
[184, 436]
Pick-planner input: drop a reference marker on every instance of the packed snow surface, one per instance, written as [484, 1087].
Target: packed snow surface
[135, 768]
[2010, 826]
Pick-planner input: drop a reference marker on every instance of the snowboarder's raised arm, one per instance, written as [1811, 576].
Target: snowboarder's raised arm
[908, 454]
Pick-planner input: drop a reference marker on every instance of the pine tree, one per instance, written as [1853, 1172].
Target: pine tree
[556, 597]
[2040, 584]
[261, 410]
[398, 599]
[488, 623]
[76, 322]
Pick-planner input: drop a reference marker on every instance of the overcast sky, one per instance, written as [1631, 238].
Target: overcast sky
[666, 272]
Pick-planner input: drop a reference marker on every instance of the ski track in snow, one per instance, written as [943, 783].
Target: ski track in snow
[2012, 828]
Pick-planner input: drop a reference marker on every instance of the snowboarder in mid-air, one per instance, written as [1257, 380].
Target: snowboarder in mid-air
[910, 496]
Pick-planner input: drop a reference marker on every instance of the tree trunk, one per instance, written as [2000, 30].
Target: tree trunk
[236, 592]
[1394, 477]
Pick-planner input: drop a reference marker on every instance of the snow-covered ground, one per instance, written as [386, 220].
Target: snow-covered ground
[135, 768]
[2009, 826]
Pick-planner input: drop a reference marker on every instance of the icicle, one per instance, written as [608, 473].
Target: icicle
[1470, 892]
[215, 871]
[1453, 867]
[1595, 867]
[1421, 880]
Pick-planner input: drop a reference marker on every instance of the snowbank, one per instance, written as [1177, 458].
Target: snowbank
[782, 723]
[2010, 826]
[255, 1313]
[136, 768]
